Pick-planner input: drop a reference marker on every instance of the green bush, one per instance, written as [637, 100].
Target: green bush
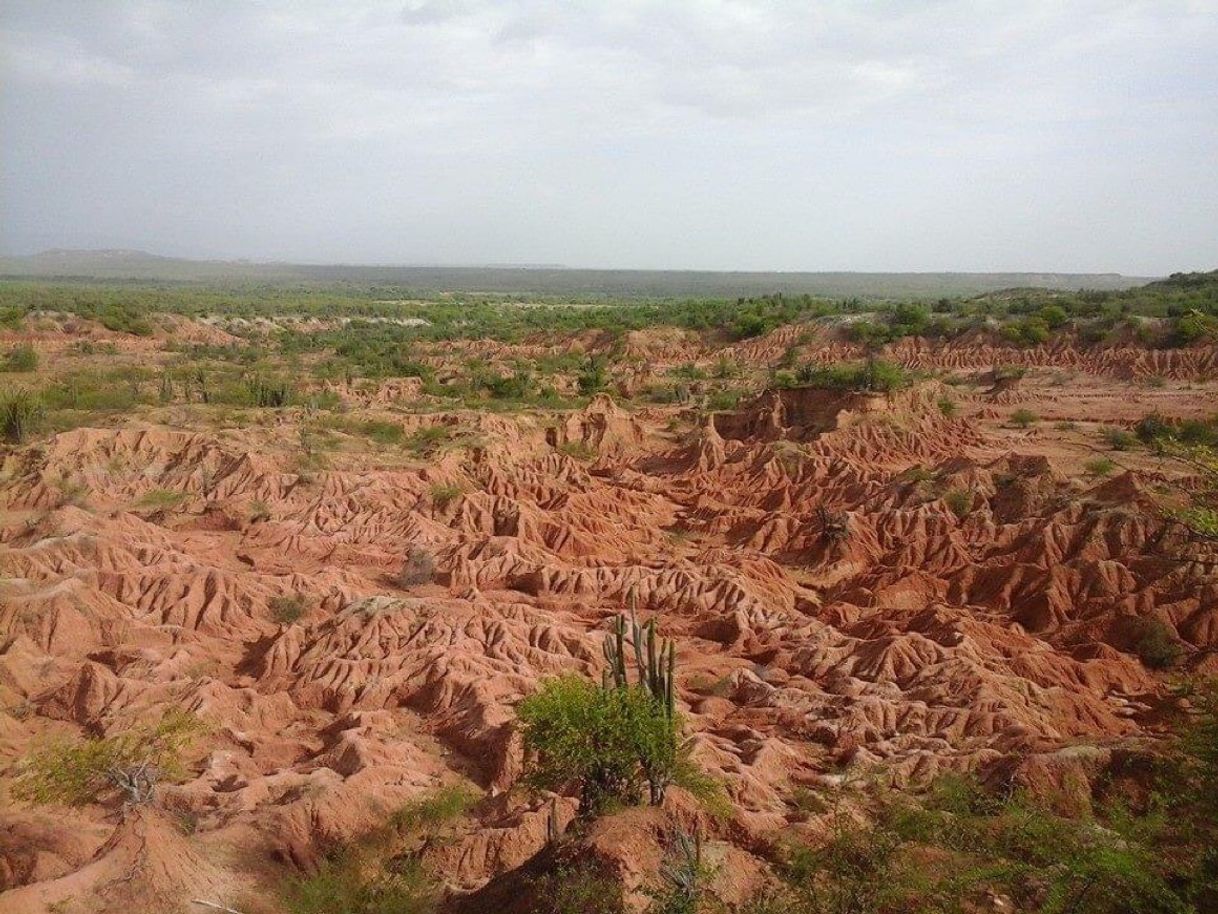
[874, 375]
[445, 493]
[21, 413]
[1157, 645]
[22, 358]
[1117, 438]
[600, 739]
[439, 807]
[577, 889]
[269, 392]
[948, 407]
[959, 501]
[286, 609]
[1100, 466]
[79, 772]
[351, 884]
[1024, 418]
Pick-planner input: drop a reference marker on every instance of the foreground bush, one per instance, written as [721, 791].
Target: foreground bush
[21, 412]
[599, 740]
[128, 765]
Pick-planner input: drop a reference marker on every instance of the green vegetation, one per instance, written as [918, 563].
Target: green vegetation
[873, 375]
[1117, 438]
[288, 608]
[577, 888]
[1156, 644]
[79, 772]
[381, 873]
[159, 499]
[1024, 418]
[21, 413]
[443, 494]
[1100, 466]
[600, 739]
[959, 501]
[22, 358]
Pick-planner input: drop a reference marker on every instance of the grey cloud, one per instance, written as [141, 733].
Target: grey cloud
[713, 134]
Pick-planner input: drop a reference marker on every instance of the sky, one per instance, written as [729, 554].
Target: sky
[1042, 135]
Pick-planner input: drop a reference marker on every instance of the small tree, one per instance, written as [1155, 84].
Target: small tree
[597, 739]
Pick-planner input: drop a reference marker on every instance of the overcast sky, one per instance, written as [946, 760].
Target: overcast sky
[901, 135]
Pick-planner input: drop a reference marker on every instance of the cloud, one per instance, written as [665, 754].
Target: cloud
[331, 126]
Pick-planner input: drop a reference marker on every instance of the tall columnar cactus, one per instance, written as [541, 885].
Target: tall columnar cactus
[655, 659]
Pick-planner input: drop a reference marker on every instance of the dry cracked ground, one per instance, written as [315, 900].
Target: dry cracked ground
[861, 588]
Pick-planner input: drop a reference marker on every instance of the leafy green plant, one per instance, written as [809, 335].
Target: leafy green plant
[79, 772]
[269, 392]
[1100, 466]
[1117, 438]
[576, 732]
[21, 358]
[350, 883]
[1157, 645]
[1024, 418]
[426, 439]
[948, 407]
[288, 608]
[959, 501]
[161, 498]
[445, 493]
[21, 413]
[439, 807]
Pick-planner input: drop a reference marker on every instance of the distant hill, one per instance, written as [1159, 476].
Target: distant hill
[544, 280]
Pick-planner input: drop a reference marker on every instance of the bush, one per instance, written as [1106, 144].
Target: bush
[959, 501]
[436, 808]
[1157, 646]
[351, 884]
[419, 568]
[948, 407]
[873, 375]
[445, 493]
[85, 771]
[1117, 438]
[1024, 418]
[21, 413]
[578, 889]
[428, 438]
[269, 392]
[600, 739]
[1101, 466]
[1152, 427]
[22, 358]
[287, 609]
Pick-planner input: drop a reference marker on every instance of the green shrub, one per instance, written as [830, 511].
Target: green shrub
[445, 493]
[269, 392]
[1117, 438]
[948, 407]
[439, 807]
[1152, 427]
[1157, 645]
[426, 439]
[286, 609]
[1100, 466]
[600, 739]
[873, 375]
[382, 432]
[1024, 418]
[22, 358]
[79, 772]
[21, 413]
[578, 889]
[350, 883]
[161, 498]
[959, 501]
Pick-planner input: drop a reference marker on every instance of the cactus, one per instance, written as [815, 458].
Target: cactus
[655, 659]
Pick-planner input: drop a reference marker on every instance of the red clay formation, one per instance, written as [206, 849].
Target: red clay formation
[976, 606]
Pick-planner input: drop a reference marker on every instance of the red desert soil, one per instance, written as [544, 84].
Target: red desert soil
[926, 639]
